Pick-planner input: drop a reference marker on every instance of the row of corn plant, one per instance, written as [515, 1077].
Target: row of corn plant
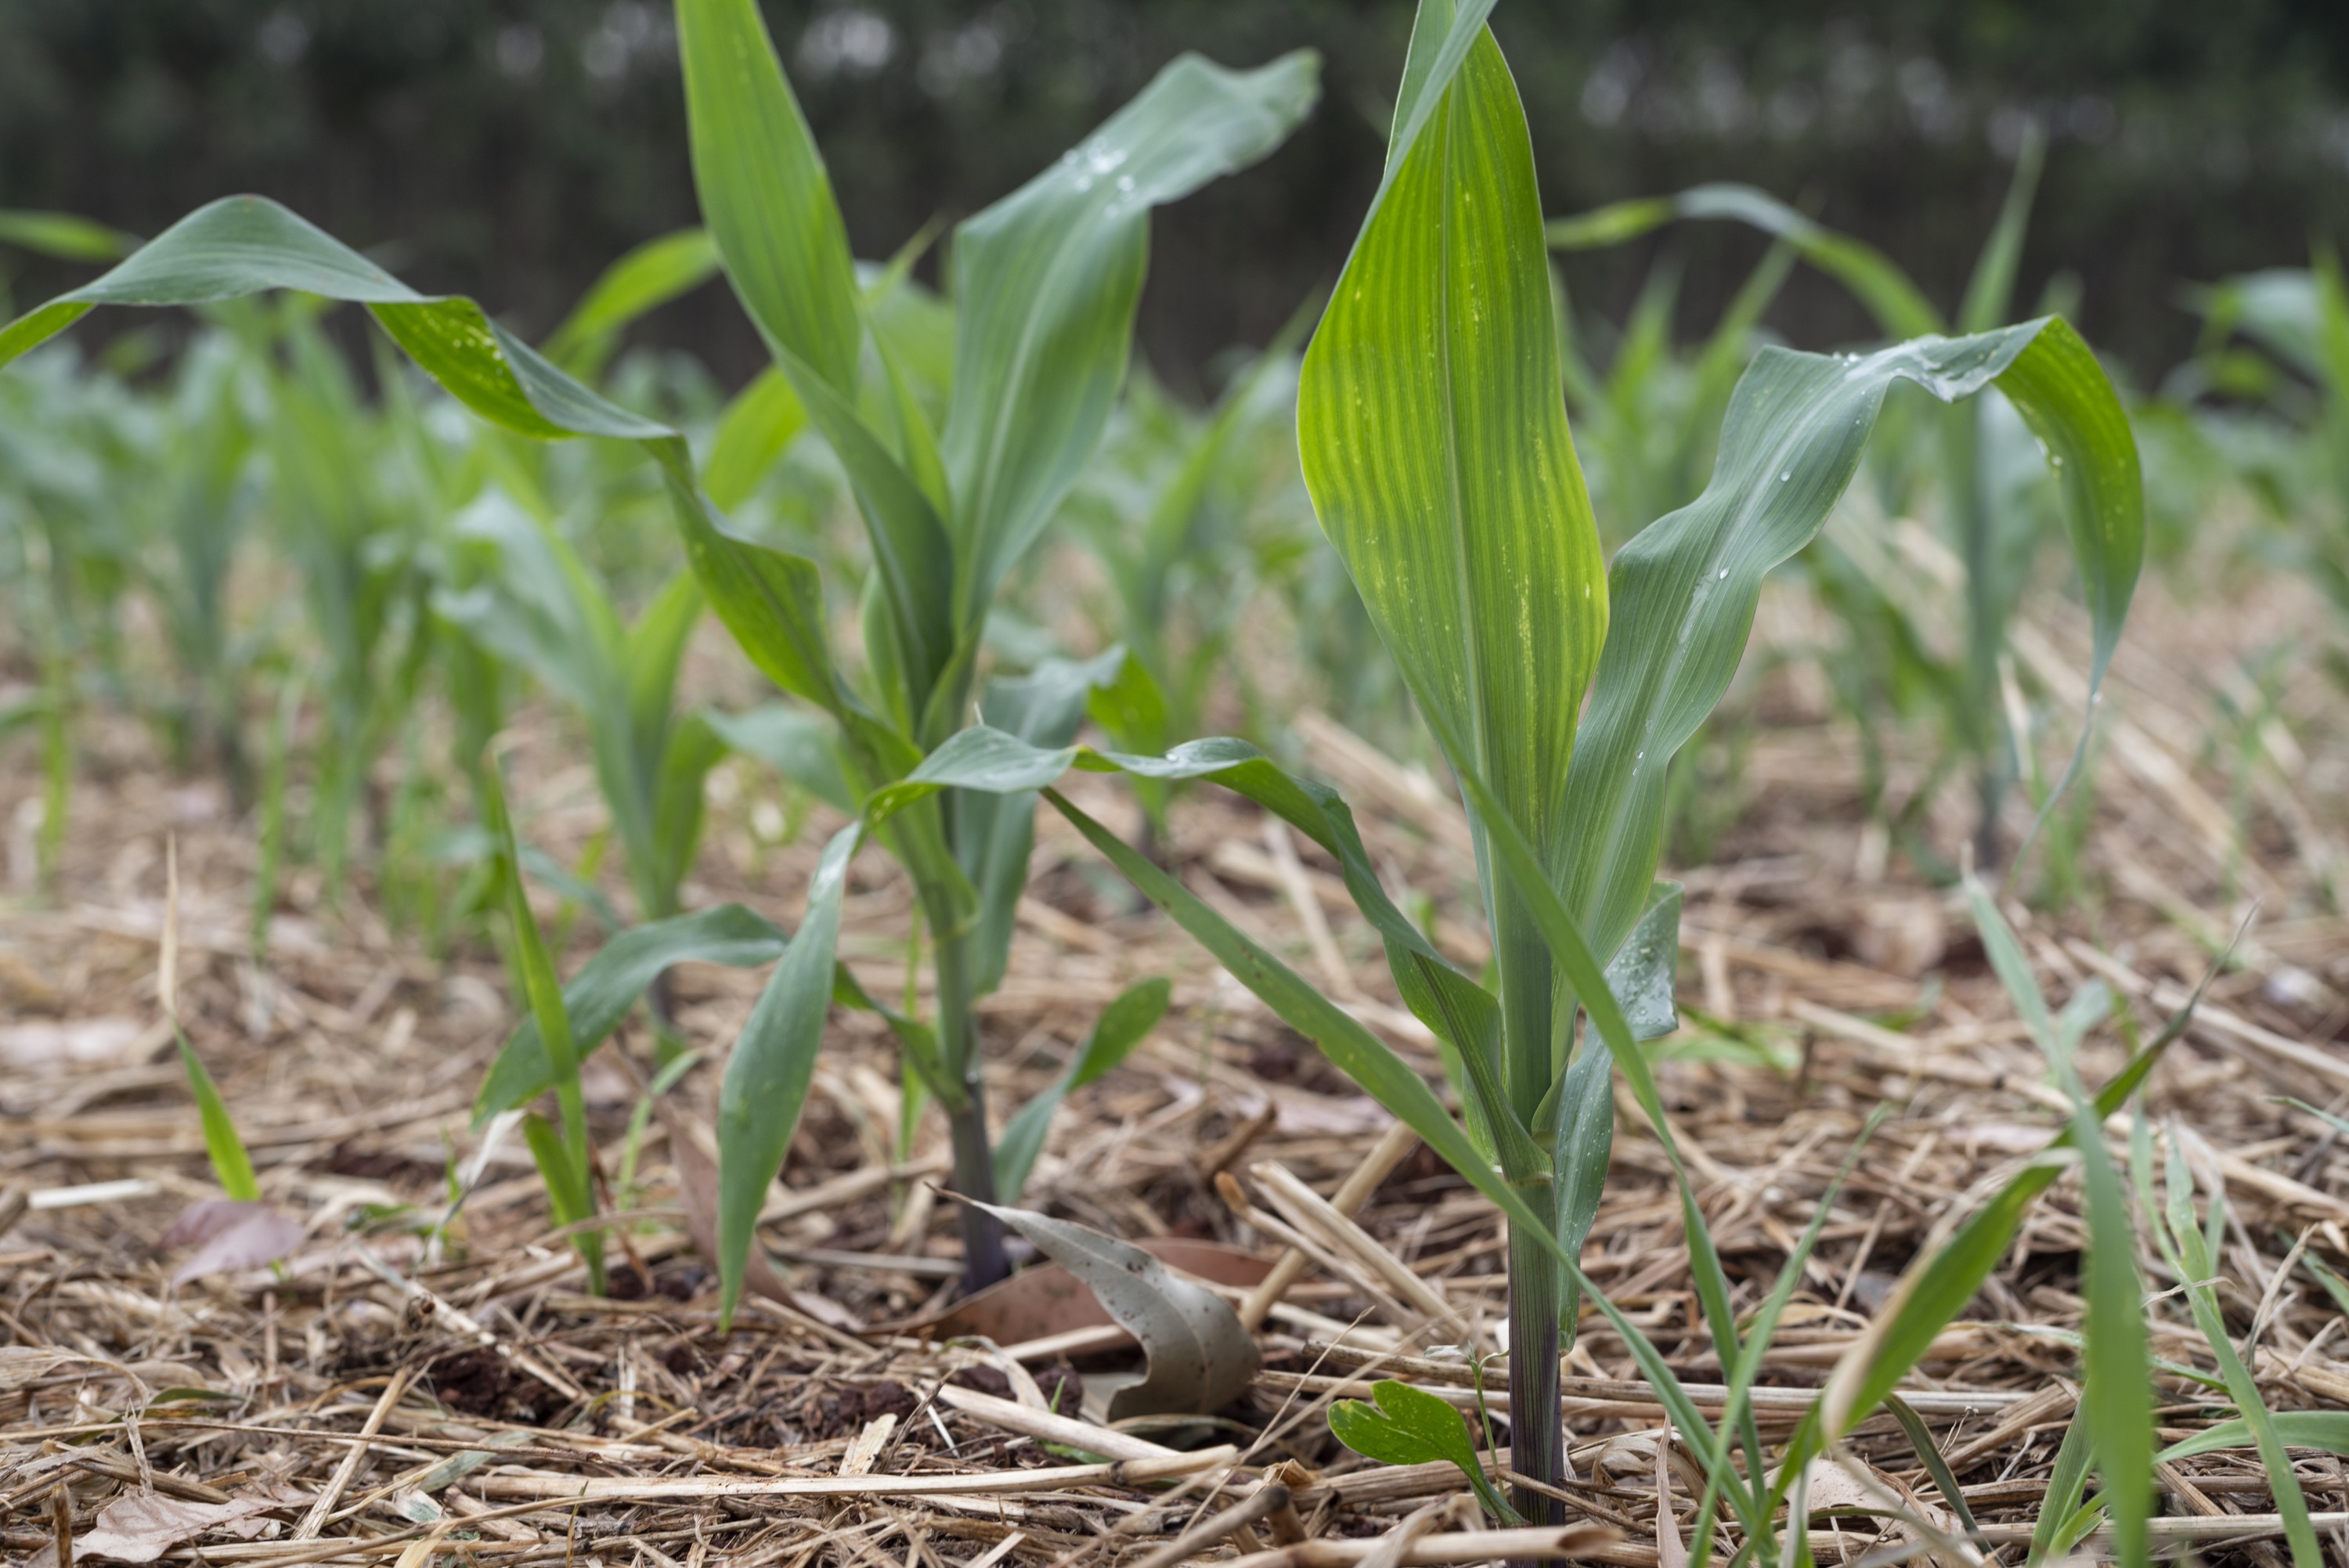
[1046, 284]
[1992, 525]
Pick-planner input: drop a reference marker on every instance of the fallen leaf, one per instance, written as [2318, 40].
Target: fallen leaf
[1671, 1552]
[141, 1527]
[1199, 1358]
[1048, 1299]
[235, 1235]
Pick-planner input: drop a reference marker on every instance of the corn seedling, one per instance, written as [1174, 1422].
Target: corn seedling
[1984, 465]
[563, 1151]
[1647, 422]
[1436, 450]
[1168, 511]
[1045, 286]
[539, 606]
[348, 515]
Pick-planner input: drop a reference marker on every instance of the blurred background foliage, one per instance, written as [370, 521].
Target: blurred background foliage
[513, 147]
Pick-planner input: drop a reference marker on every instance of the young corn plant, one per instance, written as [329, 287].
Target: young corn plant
[1168, 513]
[1045, 284]
[539, 606]
[1989, 528]
[1435, 446]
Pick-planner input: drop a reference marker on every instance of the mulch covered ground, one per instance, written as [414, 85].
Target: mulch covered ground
[397, 1392]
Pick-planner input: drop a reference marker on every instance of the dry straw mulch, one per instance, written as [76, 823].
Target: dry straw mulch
[391, 1396]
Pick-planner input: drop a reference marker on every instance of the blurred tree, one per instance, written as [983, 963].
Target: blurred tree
[514, 146]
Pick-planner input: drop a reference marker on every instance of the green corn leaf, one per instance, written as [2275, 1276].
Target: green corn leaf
[642, 280]
[751, 435]
[1409, 1426]
[65, 236]
[772, 1063]
[1584, 1143]
[805, 748]
[603, 992]
[1684, 591]
[693, 750]
[2073, 1457]
[1124, 1024]
[650, 656]
[1990, 292]
[994, 833]
[1451, 1004]
[1045, 285]
[1644, 970]
[764, 192]
[1351, 1047]
[1435, 448]
[232, 1166]
[1896, 302]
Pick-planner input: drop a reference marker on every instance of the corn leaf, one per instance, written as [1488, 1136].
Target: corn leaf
[1045, 285]
[600, 993]
[66, 236]
[751, 434]
[994, 833]
[1684, 591]
[765, 193]
[802, 746]
[1435, 448]
[1451, 1004]
[1872, 277]
[642, 280]
[772, 1063]
[1124, 1024]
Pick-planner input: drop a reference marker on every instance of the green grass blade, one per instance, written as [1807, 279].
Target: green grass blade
[1928, 1454]
[2074, 1457]
[2116, 1400]
[232, 1166]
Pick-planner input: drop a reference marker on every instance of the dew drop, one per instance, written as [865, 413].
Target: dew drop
[1785, 477]
[1725, 572]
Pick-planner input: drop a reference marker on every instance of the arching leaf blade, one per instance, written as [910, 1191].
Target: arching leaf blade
[1045, 285]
